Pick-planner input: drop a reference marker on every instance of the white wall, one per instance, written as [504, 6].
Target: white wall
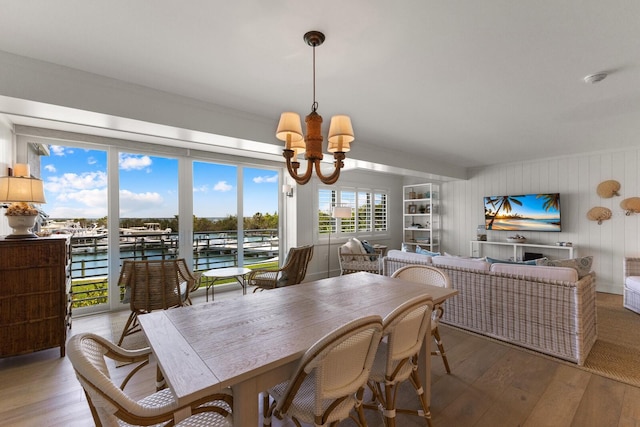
[307, 206]
[7, 158]
[576, 179]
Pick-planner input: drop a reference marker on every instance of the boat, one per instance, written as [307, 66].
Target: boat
[150, 231]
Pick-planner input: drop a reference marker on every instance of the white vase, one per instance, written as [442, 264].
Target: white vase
[22, 225]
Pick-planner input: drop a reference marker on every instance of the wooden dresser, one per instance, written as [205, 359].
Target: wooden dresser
[35, 294]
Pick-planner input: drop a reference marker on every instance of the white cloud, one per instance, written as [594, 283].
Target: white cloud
[136, 204]
[50, 168]
[73, 181]
[201, 189]
[130, 162]
[92, 161]
[222, 186]
[57, 150]
[263, 179]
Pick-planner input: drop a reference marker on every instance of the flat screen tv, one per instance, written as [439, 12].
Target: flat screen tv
[525, 212]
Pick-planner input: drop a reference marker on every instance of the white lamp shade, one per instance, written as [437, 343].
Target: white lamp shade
[340, 134]
[341, 212]
[290, 130]
[21, 189]
[22, 169]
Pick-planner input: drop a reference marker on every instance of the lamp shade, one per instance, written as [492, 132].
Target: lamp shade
[290, 130]
[340, 134]
[341, 212]
[21, 189]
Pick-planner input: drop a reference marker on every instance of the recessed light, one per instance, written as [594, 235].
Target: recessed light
[595, 78]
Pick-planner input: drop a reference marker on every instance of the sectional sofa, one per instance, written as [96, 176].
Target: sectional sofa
[543, 308]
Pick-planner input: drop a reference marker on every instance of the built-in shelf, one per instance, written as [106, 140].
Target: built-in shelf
[475, 248]
[421, 216]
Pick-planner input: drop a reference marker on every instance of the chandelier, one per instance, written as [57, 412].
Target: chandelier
[290, 131]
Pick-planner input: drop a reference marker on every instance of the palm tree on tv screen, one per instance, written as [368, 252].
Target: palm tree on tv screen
[503, 203]
[551, 201]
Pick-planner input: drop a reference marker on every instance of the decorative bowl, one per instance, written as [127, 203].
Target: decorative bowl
[516, 239]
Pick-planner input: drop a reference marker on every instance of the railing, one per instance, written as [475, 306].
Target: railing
[89, 267]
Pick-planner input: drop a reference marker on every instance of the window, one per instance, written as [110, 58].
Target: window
[369, 216]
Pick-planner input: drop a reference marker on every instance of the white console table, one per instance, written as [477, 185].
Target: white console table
[475, 248]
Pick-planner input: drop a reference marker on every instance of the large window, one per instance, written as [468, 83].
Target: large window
[368, 207]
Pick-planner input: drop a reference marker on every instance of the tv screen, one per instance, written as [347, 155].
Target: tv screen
[527, 212]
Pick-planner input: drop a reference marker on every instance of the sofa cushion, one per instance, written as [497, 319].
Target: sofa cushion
[409, 256]
[581, 265]
[564, 274]
[468, 263]
[633, 283]
[494, 260]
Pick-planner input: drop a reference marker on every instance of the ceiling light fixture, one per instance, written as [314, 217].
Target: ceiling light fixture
[290, 131]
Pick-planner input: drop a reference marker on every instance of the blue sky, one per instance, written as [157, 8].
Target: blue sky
[76, 186]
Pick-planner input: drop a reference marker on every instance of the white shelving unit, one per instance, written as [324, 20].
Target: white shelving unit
[421, 216]
[475, 248]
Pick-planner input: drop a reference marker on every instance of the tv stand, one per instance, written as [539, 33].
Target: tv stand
[475, 248]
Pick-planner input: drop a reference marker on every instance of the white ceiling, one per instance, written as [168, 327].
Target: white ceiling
[464, 82]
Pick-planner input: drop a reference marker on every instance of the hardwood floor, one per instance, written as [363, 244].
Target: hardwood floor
[490, 385]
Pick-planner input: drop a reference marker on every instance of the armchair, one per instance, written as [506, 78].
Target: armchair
[631, 298]
[291, 273]
[353, 258]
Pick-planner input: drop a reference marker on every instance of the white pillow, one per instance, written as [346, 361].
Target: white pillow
[356, 246]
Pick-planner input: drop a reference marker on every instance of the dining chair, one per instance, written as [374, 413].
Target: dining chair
[292, 272]
[396, 360]
[330, 378]
[429, 275]
[110, 405]
[153, 285]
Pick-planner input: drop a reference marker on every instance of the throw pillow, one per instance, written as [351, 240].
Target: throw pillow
[369, 249]
[422, 251]
[582, 265]
[405, 248]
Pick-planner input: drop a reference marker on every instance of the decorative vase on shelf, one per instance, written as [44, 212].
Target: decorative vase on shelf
[22, 225]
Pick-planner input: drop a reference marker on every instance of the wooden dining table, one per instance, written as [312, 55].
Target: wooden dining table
[252, 342]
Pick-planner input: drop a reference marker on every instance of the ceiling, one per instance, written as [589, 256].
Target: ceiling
[467, 83]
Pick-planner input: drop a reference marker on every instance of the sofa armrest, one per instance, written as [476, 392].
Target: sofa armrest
[631, 266]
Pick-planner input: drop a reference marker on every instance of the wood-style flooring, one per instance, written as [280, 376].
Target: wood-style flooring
[490, 385]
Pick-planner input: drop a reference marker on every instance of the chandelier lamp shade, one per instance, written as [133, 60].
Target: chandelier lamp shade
[290, 131]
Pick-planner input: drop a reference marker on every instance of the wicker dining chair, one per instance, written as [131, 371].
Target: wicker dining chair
[431, 276]
[330, 378]
[397, 357]
[154, 285]
[110, 405]
[291, 273]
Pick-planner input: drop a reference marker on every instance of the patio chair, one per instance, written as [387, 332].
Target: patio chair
[291, 273]
[431, 276]
[154, 285]
[330, 378]
[397, 357]
[111, 406]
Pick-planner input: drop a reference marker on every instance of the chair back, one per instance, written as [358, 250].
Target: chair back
[86, 352]
[156, 284]
[426, 274]
[338, 365]
[405, 329]
[295, 268]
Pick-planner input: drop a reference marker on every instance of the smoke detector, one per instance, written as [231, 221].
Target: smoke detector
[595, 78]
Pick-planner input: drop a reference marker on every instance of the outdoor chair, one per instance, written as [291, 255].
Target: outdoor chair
[111, 406]
[631, 295]
[396, 360]
[291, 273]
[154, 285]
[430, 276]
[330, 378]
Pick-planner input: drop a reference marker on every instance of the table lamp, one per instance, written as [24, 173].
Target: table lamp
[21, 190]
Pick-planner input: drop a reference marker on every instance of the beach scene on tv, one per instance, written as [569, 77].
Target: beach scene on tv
[528, 212]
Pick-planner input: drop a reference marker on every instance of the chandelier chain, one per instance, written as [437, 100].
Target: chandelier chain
[314, 106]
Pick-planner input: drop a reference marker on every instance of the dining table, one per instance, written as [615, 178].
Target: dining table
[253, 342]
